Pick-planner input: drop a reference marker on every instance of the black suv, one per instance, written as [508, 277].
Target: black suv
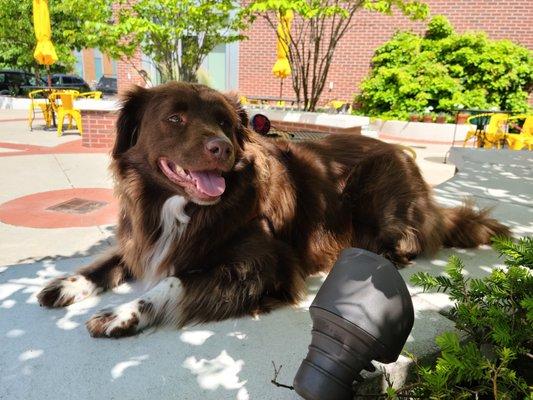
[18, 83]
[74, 82]
[107, 85]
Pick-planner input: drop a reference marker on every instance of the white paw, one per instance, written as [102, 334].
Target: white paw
[62, 292]
[116, 322]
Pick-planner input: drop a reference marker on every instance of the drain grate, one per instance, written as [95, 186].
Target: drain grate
[77, 206]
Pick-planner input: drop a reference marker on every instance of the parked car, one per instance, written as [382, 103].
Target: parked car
[65, 81]
[107, 85]
[18, 83]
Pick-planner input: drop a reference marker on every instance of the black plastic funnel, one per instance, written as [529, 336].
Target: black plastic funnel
[362, 312]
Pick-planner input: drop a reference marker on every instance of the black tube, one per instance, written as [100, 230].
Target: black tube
[362, 312]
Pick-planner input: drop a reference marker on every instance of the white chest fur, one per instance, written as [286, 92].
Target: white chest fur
[173, 222]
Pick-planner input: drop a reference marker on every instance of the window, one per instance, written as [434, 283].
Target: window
[98, 64]
[222, 65]
[114, 68]
[217, 66]
[67, 80]
[78, 67]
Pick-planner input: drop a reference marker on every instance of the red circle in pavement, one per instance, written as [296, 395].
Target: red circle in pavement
[33, 211]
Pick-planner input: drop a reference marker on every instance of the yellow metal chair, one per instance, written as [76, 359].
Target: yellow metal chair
[63, 106]
[42, 104]
[489, 129]
[340, 106]
[525, 138]
[97, 95]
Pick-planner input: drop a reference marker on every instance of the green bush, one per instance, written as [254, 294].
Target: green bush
[446, 70]
[496, 312]
[439, 28]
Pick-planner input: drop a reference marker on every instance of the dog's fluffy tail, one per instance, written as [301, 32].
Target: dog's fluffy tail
[465, 227]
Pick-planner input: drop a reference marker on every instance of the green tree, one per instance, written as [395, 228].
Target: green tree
[443, 70]
[176, 34]
[318, 27]
[17, 37]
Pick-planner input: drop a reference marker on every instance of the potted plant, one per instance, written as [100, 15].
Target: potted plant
[461, 117]
[441, 118]
[414, 117]
[428, 118]
[428, 115]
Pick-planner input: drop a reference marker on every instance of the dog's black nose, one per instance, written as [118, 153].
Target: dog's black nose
[221, 149]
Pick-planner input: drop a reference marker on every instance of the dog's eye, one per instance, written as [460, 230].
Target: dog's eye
[223, 123]
[176, 119]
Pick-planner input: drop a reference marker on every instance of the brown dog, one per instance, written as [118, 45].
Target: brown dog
[226, 223]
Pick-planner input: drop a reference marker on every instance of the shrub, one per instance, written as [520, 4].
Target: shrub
[443, 70]
[439, 28]
[497, 314]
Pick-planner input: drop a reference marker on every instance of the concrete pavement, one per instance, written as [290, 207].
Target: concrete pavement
[48, 353]
[23, 173]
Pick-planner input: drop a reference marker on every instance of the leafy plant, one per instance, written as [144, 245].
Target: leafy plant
[17, 35]
[497, 314]
[317, 29]
[439, 28]
[176, 34]
[444, 69]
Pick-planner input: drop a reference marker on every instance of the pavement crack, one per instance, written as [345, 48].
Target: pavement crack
[63, 170]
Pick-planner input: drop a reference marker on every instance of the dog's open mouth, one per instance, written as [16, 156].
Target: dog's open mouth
[206, 185]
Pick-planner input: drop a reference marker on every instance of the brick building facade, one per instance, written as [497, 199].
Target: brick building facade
[248, 64]
[91, 64]
[510, 19]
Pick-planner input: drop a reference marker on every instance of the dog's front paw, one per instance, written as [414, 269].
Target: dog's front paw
[64, 291]
[115, 323]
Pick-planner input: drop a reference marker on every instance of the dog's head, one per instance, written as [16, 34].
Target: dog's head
[188, 135]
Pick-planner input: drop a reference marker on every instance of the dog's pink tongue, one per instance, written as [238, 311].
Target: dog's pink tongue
[209, 182]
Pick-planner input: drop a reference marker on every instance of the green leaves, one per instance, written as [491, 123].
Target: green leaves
[176, 34]
[306, 9]
[439, 28]
[318, 27]
[414, 9]
[17, 37]
[497, 314]
[444, 69]
[518, 253]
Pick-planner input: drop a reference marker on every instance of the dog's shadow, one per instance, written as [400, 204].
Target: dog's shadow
[48, 351]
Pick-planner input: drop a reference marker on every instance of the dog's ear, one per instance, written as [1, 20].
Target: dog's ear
[129, 119]
[242, 130]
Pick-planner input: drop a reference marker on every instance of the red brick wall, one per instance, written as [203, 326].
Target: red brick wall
[98, 128]
[127, 75]
[303, 127]
[511, 19]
